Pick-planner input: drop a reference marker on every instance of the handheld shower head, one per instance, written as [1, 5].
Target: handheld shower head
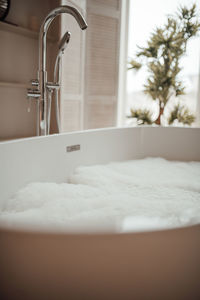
[61, 48]
[64, 41]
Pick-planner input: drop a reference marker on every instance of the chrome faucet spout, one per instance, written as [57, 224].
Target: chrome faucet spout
[42, 73]
[45, 26]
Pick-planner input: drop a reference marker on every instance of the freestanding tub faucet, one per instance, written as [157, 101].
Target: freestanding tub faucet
[57, 81]
[42, 84]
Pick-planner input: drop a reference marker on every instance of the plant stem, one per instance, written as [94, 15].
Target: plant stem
[158, 120]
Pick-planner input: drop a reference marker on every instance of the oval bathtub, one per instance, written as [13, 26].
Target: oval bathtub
[161, 264]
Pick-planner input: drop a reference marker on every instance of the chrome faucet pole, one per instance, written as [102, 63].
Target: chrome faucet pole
[42, 73]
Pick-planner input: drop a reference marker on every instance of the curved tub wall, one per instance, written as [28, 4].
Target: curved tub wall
[162, 265]
[171, 143]
[46, 158]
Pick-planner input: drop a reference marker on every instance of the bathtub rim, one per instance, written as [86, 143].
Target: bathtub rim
[109, 233]
[93, 130]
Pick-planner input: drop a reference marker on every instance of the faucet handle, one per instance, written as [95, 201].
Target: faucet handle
[33, 93]
[53, 86]
[35, 82]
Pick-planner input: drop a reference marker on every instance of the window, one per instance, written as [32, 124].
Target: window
[144, 17]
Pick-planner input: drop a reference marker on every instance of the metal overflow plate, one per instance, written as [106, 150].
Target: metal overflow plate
[73, 148]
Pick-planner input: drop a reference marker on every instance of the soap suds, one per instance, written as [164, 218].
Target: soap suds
[145, 194]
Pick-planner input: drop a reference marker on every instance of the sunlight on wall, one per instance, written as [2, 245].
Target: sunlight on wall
[144, 17]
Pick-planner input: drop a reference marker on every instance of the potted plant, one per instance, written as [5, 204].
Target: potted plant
[163, 53]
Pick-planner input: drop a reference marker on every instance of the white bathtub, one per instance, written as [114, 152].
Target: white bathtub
[154, 265]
